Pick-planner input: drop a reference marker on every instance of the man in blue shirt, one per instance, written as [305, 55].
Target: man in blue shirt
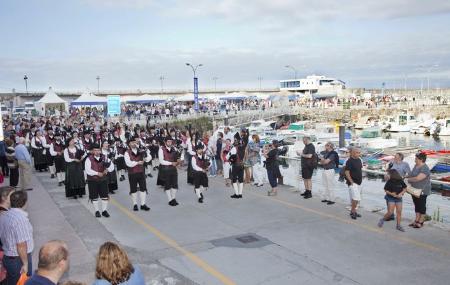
[53, 263]
[24, 160]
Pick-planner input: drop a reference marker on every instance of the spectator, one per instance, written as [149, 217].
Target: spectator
[308, 165]
[53, 263]
[5, 193]
[219, 162]
[24, 162]
[16, 235]
[3, 162]
[12, 163]
[114, 268]
[273, 167]
[402, 168]
[329, 162]
[252, 151]
[420, 178]
[395, 187]
[353, 175]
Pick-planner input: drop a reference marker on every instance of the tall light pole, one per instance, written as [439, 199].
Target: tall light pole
[215, 83]
[194, 70]
[294, 69]
[98, 84]
[162, 83]
[260, 80]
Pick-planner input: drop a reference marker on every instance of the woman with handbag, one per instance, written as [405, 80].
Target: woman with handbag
[420, 179]
[395, 187]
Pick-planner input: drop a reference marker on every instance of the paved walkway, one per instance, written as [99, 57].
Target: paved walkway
[254, 240]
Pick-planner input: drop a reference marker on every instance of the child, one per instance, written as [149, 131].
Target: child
[395, 188]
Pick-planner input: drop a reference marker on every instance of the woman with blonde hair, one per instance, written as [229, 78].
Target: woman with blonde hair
[114, 268]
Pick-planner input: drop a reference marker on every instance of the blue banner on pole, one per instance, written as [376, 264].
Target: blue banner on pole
[114, 105]
[196, 94]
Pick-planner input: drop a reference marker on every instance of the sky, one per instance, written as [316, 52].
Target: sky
[130, 44]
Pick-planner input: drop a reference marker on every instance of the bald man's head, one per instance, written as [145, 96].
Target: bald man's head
[51, 254]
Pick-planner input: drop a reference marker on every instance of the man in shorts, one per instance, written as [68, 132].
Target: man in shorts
[353, 175]
[307, 156]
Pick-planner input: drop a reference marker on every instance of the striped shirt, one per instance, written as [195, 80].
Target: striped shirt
[15, 227]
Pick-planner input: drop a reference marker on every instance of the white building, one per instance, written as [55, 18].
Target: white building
[315, 85]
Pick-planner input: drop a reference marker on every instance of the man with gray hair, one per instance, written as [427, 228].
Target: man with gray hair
[308, 164]
[53, 263]
[353, 175]
[329, 162]
[24, 160]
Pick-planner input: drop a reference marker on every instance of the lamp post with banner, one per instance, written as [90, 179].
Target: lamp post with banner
[194, 70]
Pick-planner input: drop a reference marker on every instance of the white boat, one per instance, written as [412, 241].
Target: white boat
[366, 122]
[371, 138]
[261, 126]
[401, 123]
[294, 128]
[425, 121]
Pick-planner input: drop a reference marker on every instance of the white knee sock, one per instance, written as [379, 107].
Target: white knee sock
[59, 176]
[134, 198]
[198, 191]
[241, 187]
[169, 195]
[236, 188]
[142, 196]
[52, 169]
[95, 203]
[173, 192]
[105, 204]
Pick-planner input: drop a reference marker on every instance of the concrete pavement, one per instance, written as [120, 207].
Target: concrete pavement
[254, 240]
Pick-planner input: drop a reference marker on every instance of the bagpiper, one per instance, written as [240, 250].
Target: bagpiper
[200, 166]
[168, 163]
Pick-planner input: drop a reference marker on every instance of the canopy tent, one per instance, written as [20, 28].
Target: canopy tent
[51, 101]
[233, 96]
[146, 98]
[324, 95]
[87, 98]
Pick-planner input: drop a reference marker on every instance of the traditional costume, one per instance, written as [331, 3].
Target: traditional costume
[75, 182]
[200, 165]
[57, 153]
[168, 170]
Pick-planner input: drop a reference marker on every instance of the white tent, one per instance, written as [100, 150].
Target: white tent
[51, 101]
[146, 98]
[87, 98]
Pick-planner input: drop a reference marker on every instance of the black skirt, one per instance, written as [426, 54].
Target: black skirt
[75, 183]
[159, 180]
[169, 176]
[60, 163]
[200, 179]
[49, 158]
[112, 180]
[120, 163]
[40, 159]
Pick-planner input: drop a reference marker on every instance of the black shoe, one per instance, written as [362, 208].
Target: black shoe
[60, 183]
[112, 192]
[330, 203]
[324, 201]
[52, 176]
[391, 218]
[145, 208]
[303, 194]
[353, 216]
[200, 200]
[358, 215]
[239, 196]
[97, 214]
[120, 179]
[135, 208]
[201, 195]
[171, 202]
[75, 197]
[234, 196]
[105, 214]
[308, 195]
[149, 175]
[175, 202]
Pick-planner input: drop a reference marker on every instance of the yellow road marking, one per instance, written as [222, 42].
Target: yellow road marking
[172, 243]
[363, 226]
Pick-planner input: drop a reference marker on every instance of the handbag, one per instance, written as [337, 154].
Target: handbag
[23, 278]
[416, 192]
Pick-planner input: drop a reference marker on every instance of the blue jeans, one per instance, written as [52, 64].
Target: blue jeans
[213, 169]
[13, 266]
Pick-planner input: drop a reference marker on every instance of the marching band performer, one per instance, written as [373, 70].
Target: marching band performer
[200, 165]
[134, 159]
[168, 163]
[39, 152]
[97, 167]
[49, 139]
[112, 174]
[57, 152]
[120, 149]
[75, 182]
[236, 157]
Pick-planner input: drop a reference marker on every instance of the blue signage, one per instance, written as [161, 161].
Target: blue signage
[114, 105]
[196, 94]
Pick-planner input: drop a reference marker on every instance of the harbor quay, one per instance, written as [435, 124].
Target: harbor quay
[254, 240]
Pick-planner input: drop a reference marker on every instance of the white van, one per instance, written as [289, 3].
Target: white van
[29, 106]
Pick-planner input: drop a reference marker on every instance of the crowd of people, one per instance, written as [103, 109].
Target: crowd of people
[80, 150]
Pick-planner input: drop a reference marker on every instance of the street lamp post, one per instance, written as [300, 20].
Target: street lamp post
[215, 83]
[260, 80]
[26, 83]
[162, 83]
[194, 71]
[98, 84]
[294, 69]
